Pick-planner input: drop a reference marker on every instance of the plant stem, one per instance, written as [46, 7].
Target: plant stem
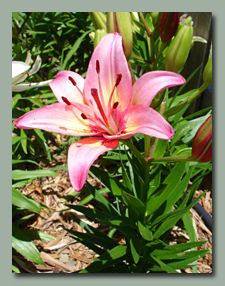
[172, 159]
[145, 24]
[163, 45]
[131, 72]
[149, 150]
[147, 145]
[194, 95]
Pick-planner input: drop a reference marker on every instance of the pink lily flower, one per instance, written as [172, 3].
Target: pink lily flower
[105, 105]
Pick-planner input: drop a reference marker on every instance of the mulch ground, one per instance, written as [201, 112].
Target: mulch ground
[64, 254]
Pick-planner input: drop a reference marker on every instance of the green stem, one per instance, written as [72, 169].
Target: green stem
[172, 159]
[149, 150]
[194, 95]
[131, 72]
[162, 47]
[145, 24]
[147, 145]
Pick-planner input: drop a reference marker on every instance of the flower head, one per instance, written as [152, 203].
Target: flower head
[20, 73]
[168, 25]
[202, 142]
[105, 106]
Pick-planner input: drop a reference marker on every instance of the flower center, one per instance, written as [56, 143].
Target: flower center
[104, 116]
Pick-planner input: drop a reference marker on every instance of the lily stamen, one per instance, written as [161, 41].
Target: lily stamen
[75, 84]
[94, 93]
[96, 121]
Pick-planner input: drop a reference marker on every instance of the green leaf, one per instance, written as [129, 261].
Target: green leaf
[91, 240]
[109, 181]
[188, 259]
[123, 224]
[22, 244]
[73, 50]
[160, 148]
[145, 232]
[175, 109]
[172, 180]
[170, 222]
[105, 205]
[187, 130]
[37, 235]
[135, 249]
[23, 136]
[15, 268]
[109, 261]
[88, 198]
[134, 205]
[174, 251]
[98, 235]
[22, 175]
[42, 141]
[188, 224]
[164, 266]
[116, 252]
[24, 161]
[24, 202]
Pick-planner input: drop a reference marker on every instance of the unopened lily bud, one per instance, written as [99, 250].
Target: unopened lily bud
[168, 25]
[179, 49]
[202, 143]
[110, 22]
[207, 73]
[98, 36]
[124, 27]
[98, 19]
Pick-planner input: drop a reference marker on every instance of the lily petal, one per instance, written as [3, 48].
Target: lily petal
[112, 60]
[57, 117]
[151, 83]
[26, 86]
[61, 86]
[143, 119]
[18, 70]
[82, 154]
[36, 66]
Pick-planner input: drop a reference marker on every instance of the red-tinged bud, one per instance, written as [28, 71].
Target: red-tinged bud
[202, 143]
[168, 25]
[66, 100]
[178, 51]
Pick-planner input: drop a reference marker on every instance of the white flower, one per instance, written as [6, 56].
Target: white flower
[20, 73]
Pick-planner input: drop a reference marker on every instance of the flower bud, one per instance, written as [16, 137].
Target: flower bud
[207, 73]
[178, 51]
[98, 36]
[98, 19]
[202, 143]
[124, 27]
[168, 25]
[110, 22]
